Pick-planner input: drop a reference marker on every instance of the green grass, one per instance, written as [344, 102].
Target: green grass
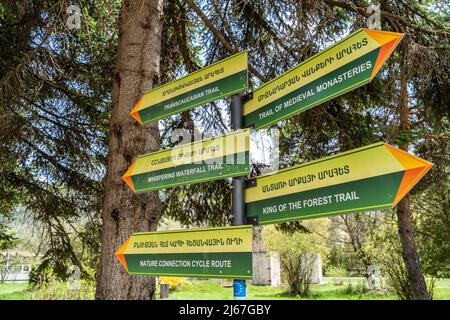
[209, 290]
[13, 291]
[442, 289]
[334, 289]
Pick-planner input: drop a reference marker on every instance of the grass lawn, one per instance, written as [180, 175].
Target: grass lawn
[209, 290]
[13, 291]
[442, 289]
[334, 289]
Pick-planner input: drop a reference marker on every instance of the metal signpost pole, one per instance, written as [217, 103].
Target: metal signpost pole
[237, 204]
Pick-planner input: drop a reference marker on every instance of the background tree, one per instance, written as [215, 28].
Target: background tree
[297, 251]
[55, 90]
[124, 212]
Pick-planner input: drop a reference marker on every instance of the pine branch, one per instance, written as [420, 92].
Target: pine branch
[224, 23]
[221, 38]
[249, 11]
[392, 17]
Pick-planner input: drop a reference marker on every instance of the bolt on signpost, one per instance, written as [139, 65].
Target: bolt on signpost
[237, 197]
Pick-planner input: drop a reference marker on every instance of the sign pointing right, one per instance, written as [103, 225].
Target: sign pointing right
[373, 177]
[346, 65]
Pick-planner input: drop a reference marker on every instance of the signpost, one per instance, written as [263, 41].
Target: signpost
[206, 160]
[215, 253]
[219, 80]
[237, 193]
[369, 178]
[346, 65]
[374, 177]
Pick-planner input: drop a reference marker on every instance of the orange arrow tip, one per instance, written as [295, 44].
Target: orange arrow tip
[122, 261]
[407, 160]
[127, 176]
[129, 182]
[120, 254]
[384, 53]
[135, 112]
[410, 179]
[136, 116]
[383, 32]
[415, 169]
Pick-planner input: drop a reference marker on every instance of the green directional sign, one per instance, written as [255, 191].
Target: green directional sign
[216, 252]
[219, 80]
[348, 64]
[370, 178]
[217, 158]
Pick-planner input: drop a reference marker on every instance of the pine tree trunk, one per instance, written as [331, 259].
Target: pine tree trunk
[405, 225]
[137, 70]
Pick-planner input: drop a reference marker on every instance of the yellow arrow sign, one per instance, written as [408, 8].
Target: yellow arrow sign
[216, 158]
[369, 178]
[219, 80]
[346, 65]
[224, 252]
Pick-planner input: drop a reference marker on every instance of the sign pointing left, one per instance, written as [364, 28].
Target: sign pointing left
[212, 252]
[217, 158]
[219, 80]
